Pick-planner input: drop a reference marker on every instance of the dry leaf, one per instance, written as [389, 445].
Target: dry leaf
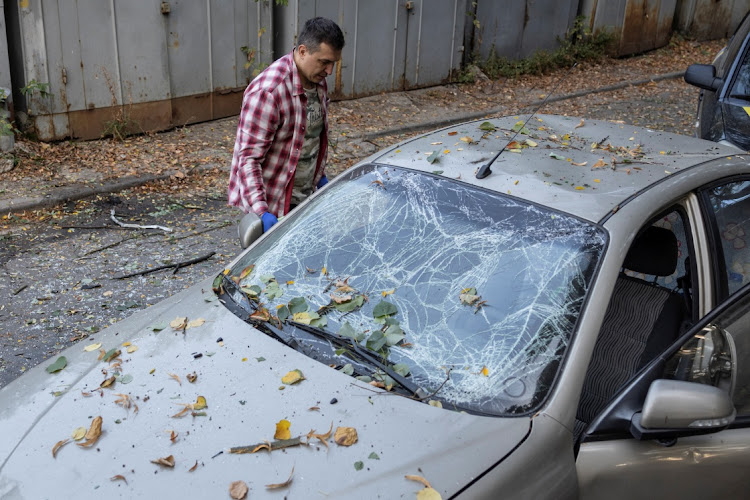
[92, 435]
[435, 403]
[166, 461]
[435, 143]
[292, 377]
[192, 377]
[418, 479]
[484, 371]
[175, 377]
[92, 347]
[467, 139]
[428, 494]
[118, 477]
[78, 433]
[57, 446]
[261, 314]
[599, 164]
[191, 469]
[125, 401]
[102, 353]
[323, 438]
[196, 323]
[581, 124]
[238, 490]
[345, 436]
[179, 323]
[107, 382]
[282, 430]
[173, 435]
[577, 164]
[131, 349]
[182, 412]
[282, 485]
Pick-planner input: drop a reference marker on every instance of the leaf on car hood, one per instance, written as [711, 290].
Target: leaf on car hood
[323, 438]
[92, 347]
[345, 436]
[78, 433]
[196, 323]
[176, 377]
[268, 445]
[107, 382]
[57, 446]
[118, 477]
[426, 493]
[58, 365]
[92, 435]
[199, 404]
[292, 377]
[192, 377]
[179, 323]
[126, 402]
[238, 490]
[165, 461]
[282, 485]
[282, 429]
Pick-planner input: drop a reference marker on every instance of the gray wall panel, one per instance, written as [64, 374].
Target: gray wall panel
[70, 49]
[101, 72]
[189, 58]
[709, 19]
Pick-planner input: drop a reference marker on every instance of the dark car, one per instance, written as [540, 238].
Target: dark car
[724, 103]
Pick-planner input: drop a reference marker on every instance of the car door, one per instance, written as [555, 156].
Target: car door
[612, 463]
[717, 349]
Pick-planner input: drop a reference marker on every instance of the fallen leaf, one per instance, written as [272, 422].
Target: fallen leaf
[92, 435]
[126, 402]
[78, 433]
[530, 143]
[238, 490]
[323, 438]
[179, 323]
[132, 349]
[111, 355]
[428, 494]
[58, 365]
[388, 292]
[196, 323]
[107, 382]
[92, 347]
[191, 469]
[359, 465]
[599, 164]
[165, 461]
[175, 377]
[467, 139]
[200, 403]
[282, 485]
[435, 143]
[419, 479]
[433, 157]
[581, 164]
[282, 430]
[484, 371]
[452, 133]
[345, 436]
[57, 446]
[435, 403]
[557, 156]
[292, 377]
[172, 435]
[118, 477]
[581, 124]
[192, 377]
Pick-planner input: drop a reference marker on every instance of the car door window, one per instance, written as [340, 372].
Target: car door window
[728, 207]
[741, 85]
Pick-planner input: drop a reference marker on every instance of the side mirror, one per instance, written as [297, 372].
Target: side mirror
[677, 408]
[703, 76]
[250, 229]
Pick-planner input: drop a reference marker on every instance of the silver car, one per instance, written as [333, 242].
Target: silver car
[574, 324]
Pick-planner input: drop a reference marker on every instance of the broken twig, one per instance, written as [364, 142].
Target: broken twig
[176, 265]
[136, 226]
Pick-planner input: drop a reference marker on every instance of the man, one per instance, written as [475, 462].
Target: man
[282, 137]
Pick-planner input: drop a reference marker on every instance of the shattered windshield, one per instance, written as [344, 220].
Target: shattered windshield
[470, 294]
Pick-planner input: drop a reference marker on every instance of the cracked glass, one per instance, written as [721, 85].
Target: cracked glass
[487, 288]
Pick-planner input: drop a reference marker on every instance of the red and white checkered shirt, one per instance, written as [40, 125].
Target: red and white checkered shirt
[270, 135]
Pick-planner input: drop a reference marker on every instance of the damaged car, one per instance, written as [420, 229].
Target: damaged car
[535, 307]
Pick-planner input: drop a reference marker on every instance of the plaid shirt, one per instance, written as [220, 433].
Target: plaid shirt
[270, 134]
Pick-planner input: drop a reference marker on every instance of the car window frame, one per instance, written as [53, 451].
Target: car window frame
[720, 285]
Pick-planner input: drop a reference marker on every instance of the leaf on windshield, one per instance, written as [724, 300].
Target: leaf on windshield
[92, 435]
[165, 461]
[246, 272]
[302, 317]
[292, 377]
[252, 291]
[347, 330]
[261, 314]
[57, 446]
[298, 305]
[435, 403]
[468, 296]
[282, 312]
[383, 310]
[282, 485]
[401, 368]
[238, 490]
[345, 436]
[339, 299]
[273, 290]
[487, 127]
[282, 430]
[58, 365]
[393, 335]
[485, 371]
[376, 341]
[435, 156]
[347, 369]
[347, 306]
[388, 292]
[92, 347]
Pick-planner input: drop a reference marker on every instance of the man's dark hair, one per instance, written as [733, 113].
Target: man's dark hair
[320, 30]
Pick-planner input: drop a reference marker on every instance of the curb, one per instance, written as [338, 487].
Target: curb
[80, 191]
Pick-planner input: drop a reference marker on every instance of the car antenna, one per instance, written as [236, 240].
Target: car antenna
[485, 170]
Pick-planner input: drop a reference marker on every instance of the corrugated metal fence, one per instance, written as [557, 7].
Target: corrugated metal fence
[119, 66]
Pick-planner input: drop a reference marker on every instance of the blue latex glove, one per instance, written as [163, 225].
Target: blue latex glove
[322, 182]
[269, 220]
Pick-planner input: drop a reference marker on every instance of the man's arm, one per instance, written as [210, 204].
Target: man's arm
[255, 134]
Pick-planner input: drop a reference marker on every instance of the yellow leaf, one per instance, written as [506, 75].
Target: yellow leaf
[566, 137]
[131, 349]
[531, 143]
[419, 479]
[302, 317]
[57, 446]
[467, 139]
[580, 188]
[446, 151]
[125, 344]
[179, 323]
[581, 124]
[599, 164]
[345, 436]
[597, 181]
[324, 271]
[282, 430]
[290, 282]
[388, 292]
[200, 403]
[292, 377]
[92, 347]
[484, 371]
[435, 403]
[196, 323]
[428, 494]
[79, 433]
[92, 435]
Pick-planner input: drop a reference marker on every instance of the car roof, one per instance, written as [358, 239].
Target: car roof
[583, 167]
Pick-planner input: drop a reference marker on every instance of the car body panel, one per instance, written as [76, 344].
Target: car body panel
[534, 175]
[244, 404]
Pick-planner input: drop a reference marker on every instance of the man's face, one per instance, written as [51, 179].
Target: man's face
[315, 66]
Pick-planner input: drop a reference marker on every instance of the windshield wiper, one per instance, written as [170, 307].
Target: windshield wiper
[362, 355]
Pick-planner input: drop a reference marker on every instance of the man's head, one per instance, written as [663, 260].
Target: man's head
[318, 48]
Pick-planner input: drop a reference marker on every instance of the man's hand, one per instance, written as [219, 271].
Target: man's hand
[322, 182]
[269, 220]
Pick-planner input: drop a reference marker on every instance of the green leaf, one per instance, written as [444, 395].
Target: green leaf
[487, 127]
[273, 290]
[348, 369]
[401, 368]
[58, 365]
[265, 278]
[298, 305]
[319, 322]
[159, 326]
[253, 290]
[383, 310]
[260, 359]
[283, 313]
[358, 465]
[364, 378]
[125, 379]
[393, 335]
[346, 330]
[373, 456]
[376, 341]
[437, 172]
[340, 351]
[557, 157]
[519, 127]
[434, 156]
[111, 354]
[351, 305]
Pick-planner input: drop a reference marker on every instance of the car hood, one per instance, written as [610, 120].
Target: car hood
[239, 372]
